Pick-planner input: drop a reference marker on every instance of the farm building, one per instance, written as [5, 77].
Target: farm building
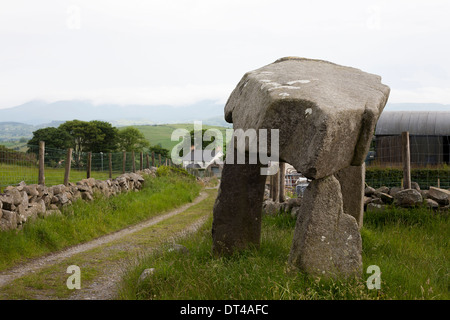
[215, 169]
[429, 133]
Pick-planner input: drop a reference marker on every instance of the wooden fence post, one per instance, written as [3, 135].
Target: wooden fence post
[141, 164]
[276, 186]
[271, 189]
[124, 161]
[89, 163]
[68, 165]
[148, 161]
[110, 164]
[159, 156]
[133, 161]
[406, 157]
[41, 178]
[282, 182]
[153, 158]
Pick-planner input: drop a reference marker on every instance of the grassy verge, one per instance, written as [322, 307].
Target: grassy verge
[85, 221]
[410, 247]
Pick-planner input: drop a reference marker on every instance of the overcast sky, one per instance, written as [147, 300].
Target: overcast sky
[181, 52]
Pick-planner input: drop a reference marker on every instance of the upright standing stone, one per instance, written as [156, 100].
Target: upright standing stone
[326, 240]
[352, 181]
[238, 208]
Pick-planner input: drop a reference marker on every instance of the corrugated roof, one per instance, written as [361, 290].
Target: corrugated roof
[431, 123]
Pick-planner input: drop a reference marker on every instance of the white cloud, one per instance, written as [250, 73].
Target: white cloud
[157, 95]
[180, 51]
[421, 95]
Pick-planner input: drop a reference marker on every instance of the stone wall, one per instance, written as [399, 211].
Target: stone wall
[374, 200]
[22, 203]
[434, 198]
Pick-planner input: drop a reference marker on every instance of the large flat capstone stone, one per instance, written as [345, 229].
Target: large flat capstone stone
[325, 113]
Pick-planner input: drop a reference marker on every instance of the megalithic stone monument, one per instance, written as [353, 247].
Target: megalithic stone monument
[326, 115]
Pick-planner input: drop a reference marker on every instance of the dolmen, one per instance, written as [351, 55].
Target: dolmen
[325, 115]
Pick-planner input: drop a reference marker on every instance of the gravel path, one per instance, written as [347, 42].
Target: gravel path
[100, 289]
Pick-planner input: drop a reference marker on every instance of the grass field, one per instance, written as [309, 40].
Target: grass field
[155, 134]
[13, 174]
[16, 145]
[162, 133]
[411, 247]
[84, 221]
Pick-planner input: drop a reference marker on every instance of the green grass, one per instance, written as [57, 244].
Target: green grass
[85, 221]
[13, 174]
[50, 282]
[16, 145]
[162, 133]
[410, 247]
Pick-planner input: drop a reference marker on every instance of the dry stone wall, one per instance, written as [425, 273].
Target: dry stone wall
[434, 198]
[22, 203]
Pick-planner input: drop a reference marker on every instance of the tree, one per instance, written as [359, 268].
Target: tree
[205, 143]
[131, 139]
[54, 138]
[158, 149]
[82, 134]
[106, 139]
[93, 136]
[206, 140]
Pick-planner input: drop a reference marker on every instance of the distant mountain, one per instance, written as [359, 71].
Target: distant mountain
[38, 112]
[217, 121]
[20, 121]
[416, 107]
[16, 130]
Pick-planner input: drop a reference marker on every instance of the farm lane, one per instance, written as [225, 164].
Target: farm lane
[103, 258]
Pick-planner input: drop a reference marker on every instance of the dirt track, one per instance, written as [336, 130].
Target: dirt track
[102, 287]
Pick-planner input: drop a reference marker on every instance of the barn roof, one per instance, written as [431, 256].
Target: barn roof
[432, 123]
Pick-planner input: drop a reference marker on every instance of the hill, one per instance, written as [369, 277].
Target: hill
[13, 131]
[38, 112]
[162, 133]
[154, 133]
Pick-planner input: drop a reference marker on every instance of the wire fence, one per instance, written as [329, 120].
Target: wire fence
[429, 161]
[18, 166]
